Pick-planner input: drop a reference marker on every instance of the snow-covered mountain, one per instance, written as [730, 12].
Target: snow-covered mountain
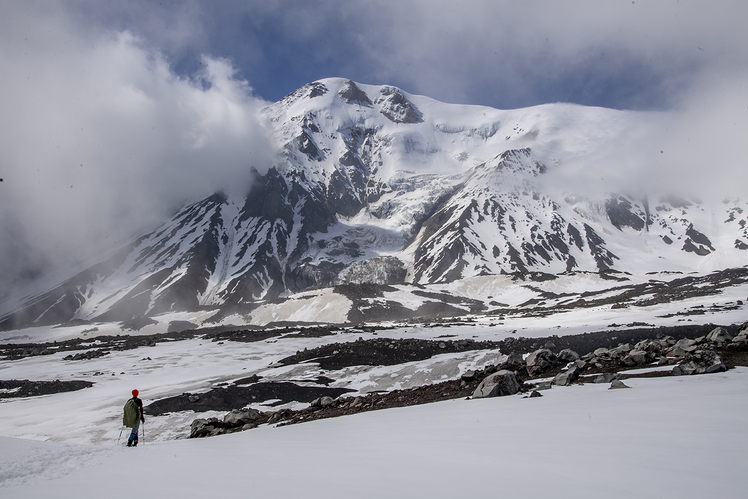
[379, 186]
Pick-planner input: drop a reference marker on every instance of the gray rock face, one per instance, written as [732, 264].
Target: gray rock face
[719, 335]
[616, 384]
[513, 362]
[636, 358]
[605, 378]
[322, 402]
[540, 360]
[497, 384]
[244, 416]
[350, 93]
[396, 108]
[565, 378]
[568, 355]
[620, 351]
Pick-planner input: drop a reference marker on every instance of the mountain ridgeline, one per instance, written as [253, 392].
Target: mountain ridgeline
[379, 186]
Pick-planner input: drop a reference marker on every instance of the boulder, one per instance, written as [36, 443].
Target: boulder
[620, 351]
[241, 417]
[539, 361]
[497, 384]
[568, 355]
[719, 336]
[618, 384]
[203, 427]
[682, 348]
[513, 362]
[605, 378]
[545, 385]
[741, 337]
[565, 378]
[323, 402]
[636, 358]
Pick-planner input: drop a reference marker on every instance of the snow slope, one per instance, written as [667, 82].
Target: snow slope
[667, 437]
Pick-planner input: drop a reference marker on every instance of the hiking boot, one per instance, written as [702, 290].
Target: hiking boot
[129, 443]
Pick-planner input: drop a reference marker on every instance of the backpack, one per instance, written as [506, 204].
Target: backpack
[132, 414]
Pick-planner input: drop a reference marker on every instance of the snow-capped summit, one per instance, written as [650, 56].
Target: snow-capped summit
[376, 185]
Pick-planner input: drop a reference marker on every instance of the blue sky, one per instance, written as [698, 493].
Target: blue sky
[113, 113]
[622, 54]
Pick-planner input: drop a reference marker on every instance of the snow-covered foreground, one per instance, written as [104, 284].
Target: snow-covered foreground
[666, 437]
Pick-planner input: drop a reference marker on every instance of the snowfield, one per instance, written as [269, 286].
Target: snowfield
[665, 437]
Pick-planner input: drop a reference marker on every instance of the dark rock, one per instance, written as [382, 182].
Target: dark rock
[498, 384]
[719, 335]
[540, 360]
[568, 355]
[605, 378]
[567, 377]
[618, 384]
[535, 394]
[514, 362]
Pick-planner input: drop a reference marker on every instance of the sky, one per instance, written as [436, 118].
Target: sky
[113, 114]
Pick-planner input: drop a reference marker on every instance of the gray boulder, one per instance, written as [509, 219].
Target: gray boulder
[203, 427]
[513, 362]
[565, 378]
[605, 378]
[617, 383]
[620, 351]
[568, 355]
[497, 384]
[719, 336]
[241, 417]
[323, 402]
[539, 361]
[636, 358]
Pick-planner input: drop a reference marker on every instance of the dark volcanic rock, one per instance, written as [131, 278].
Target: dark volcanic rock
[382, 352]
[17, 388]
[230, 397]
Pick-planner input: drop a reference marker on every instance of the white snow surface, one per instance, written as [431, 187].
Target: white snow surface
[665, 437]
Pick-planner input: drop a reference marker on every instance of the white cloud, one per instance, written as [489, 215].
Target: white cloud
[100, 138]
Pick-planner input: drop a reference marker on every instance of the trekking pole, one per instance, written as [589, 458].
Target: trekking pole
[143, 432]
[120, 434]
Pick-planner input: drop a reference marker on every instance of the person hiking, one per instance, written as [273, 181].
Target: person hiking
[133, 416]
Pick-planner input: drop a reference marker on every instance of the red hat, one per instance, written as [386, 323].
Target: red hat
[135, 393]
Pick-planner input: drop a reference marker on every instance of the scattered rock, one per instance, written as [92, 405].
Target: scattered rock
[497, 385]
[514, 362]
[618, 384]
[535, 394]
[636, 358]
[719, 335]
[240, 417]
[567, 377]
[605, 378]
[700, 362]
[568, 355]
[540, 360]
[322, 402]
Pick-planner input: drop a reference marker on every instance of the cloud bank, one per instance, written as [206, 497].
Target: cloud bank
[99, 138]
[113, 114]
